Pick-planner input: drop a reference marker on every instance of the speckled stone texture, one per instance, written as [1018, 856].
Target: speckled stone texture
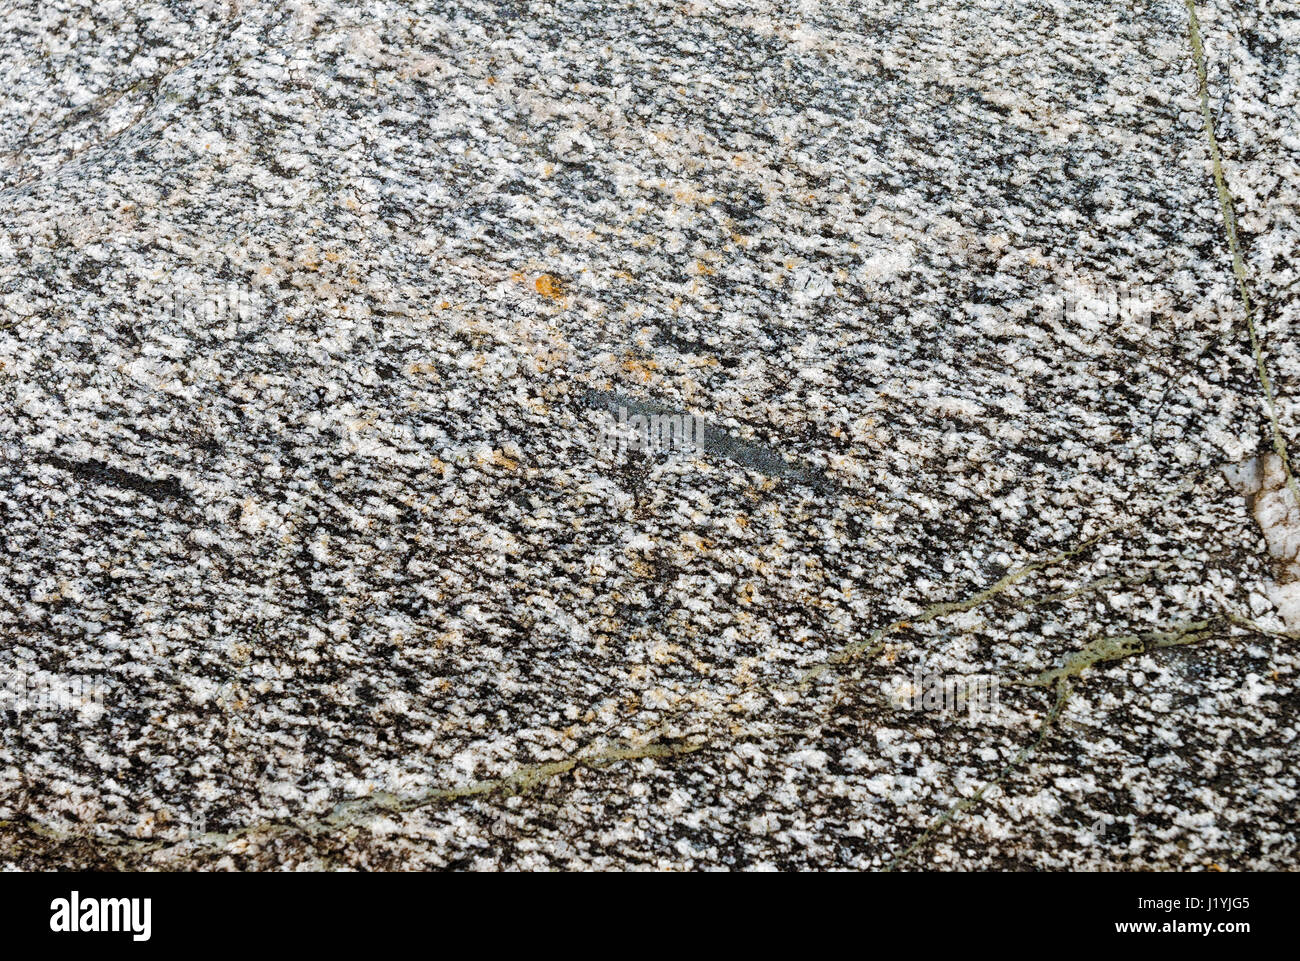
[318, 322]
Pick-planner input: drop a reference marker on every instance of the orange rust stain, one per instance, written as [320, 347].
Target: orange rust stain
[549, 287]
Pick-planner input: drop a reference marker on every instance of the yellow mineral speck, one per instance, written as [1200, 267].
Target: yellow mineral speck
[644, 369]
[691, 539]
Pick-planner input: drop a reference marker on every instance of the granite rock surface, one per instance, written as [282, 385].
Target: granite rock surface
[505, 435]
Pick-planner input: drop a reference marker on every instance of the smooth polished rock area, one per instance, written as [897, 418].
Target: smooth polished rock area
[495, 435]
